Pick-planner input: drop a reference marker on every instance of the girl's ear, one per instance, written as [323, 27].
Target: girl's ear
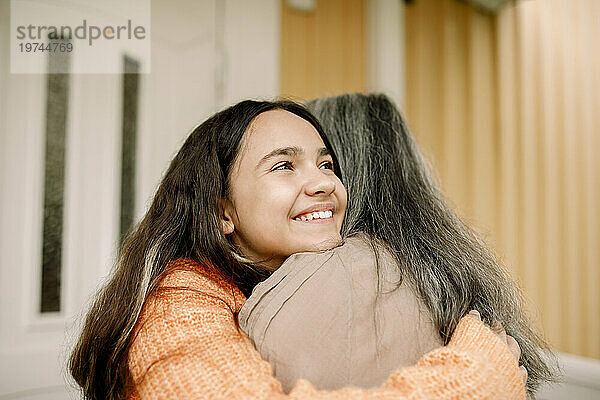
[225, 213]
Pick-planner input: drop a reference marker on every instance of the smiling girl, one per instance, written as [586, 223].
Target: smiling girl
[283, 194]
[252, 185]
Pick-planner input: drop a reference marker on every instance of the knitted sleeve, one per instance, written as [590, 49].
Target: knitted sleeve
[187, 345]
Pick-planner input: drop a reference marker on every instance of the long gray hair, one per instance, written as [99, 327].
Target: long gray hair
[393, 198]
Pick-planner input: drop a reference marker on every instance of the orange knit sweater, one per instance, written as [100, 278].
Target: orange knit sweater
[186, 345]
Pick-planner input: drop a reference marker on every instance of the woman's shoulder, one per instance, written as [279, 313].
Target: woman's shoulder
[355, 258]
[330, 278]
[361, 243]
[357, 244]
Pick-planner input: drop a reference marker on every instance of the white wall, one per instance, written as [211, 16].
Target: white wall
[581, 380]
[214, 54]
[252, 38]
[205, 55]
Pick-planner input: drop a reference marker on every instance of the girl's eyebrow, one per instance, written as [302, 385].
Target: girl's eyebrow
[323, 151]
[292, 151]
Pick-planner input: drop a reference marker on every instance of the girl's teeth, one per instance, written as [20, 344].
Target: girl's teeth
[315, 215]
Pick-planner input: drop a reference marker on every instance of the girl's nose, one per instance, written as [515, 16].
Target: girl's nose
[319, 184]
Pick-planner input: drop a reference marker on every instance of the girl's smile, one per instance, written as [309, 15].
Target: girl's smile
[319, 213]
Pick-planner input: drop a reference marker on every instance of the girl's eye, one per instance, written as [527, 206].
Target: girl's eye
[327, 165]
[282, 165]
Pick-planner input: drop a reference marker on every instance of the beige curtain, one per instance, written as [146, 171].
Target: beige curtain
[508, 109]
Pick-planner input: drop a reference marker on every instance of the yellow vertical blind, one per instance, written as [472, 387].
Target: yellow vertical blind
[323, 51]
[507, 107]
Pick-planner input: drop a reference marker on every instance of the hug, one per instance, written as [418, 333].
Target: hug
[306, 251]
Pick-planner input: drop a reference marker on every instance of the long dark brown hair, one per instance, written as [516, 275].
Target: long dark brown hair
[182, 221]
[393, 198]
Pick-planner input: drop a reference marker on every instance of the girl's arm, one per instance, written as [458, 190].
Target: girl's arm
[187, 346]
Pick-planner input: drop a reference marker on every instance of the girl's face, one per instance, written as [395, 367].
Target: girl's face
[284, 196]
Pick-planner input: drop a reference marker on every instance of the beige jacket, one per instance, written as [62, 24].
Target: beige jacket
[331, 319]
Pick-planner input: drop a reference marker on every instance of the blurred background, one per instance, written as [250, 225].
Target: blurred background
[503, 96]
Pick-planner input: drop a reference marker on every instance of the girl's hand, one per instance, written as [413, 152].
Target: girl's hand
[512, 344]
